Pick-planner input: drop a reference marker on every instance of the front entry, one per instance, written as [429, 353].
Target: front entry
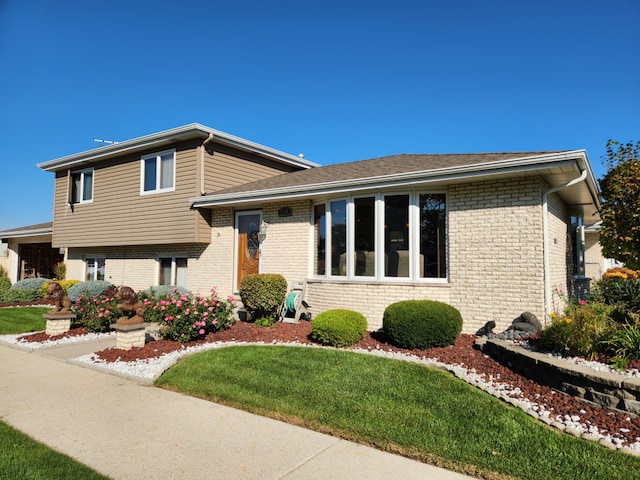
[248, 244]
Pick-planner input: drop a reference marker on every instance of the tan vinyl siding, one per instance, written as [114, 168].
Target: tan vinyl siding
[120, 215]
[225, 168]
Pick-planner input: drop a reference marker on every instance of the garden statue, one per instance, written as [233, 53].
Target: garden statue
[525, 325]
[62, 303]
[132, 308]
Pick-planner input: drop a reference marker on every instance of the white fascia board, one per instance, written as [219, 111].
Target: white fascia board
[26, 233]
[469, 172]
[166, 137]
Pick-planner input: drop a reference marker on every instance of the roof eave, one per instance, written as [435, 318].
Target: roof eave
[194, 130]
[467, 172]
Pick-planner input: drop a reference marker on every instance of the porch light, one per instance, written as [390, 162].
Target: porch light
[263, 230]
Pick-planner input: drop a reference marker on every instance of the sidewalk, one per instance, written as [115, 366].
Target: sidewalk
[127, 430]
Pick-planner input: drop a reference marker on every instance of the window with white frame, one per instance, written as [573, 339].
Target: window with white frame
[158, 172]
[81, 186]
[386, 236]
[95, 269]
[173, 271]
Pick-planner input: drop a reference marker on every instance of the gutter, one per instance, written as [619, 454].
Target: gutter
[545, 232]
[202, 150]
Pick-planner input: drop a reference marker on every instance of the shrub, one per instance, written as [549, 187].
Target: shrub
[93, 288]
[262, 295]
[65, 284]
[14, 296]
[582, 331]
[97, 313]
[422, 324]
[185, 317]
[29, 284]
[623, 293]
[3, 272]
[162, 291]
[5, 284]
[624, 345]
[339, 328]
[60, 270]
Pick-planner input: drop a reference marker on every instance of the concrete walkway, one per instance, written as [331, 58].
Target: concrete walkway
[127, 430]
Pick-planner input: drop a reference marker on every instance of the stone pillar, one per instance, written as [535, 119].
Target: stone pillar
[58, 324]
[129, 336]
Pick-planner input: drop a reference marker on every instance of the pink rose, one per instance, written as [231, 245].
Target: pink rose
[201, 331]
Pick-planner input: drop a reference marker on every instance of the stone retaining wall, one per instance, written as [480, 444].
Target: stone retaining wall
[610, 390]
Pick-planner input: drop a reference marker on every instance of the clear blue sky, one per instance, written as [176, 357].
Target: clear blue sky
[335, 80]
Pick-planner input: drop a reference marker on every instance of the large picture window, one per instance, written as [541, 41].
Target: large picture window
[399, 236]
[158, 172]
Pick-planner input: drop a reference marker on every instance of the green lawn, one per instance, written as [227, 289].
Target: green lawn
[22, 320]
[21, 457]
[396, 406]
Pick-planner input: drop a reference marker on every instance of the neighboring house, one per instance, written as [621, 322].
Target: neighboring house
[26, 252]
[493, 234]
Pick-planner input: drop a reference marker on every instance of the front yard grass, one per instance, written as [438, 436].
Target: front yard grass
[397, 406]
[21, 457]
[22, 320]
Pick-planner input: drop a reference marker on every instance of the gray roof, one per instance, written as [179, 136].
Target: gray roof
[403, 165]
[28, 231]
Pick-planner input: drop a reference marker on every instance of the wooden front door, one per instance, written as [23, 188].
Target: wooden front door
[248, 252]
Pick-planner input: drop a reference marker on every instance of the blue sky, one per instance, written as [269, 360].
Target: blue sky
[335, 80]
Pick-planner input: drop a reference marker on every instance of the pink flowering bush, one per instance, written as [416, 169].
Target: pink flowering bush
[97, 313]
[184, 317]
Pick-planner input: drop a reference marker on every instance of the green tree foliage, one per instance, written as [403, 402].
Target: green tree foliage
[620, 187]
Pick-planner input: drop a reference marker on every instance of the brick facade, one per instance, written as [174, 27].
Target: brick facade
[495, 250]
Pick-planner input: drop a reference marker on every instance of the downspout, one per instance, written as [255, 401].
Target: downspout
[545, 232]
[202, 150]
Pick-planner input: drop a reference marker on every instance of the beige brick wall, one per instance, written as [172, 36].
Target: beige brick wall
[596, 264]
[495, 251]
[369, 298]
[559, 252]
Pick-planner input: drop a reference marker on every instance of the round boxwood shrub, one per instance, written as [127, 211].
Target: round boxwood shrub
[91, 288]
[339, 328]
[422, 324]
[262, 295]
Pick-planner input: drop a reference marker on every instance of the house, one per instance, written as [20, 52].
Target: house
[26, 252]
[493, 234]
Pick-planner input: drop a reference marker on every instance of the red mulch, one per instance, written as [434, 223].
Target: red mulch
[460, 353]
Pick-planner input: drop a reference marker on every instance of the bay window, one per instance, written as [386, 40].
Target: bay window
[394, 237]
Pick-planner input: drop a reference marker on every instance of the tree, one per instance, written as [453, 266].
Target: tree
[620, 213]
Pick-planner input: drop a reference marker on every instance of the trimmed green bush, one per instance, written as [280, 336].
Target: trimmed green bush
[262, 295]
[5, 284]
[339, 328]
[93, 288]
[13, 296]
[422, 324]
[29, 284]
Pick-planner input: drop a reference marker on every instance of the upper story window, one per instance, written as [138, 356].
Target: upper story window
[81, 186]
[384, 237]
[158, 172]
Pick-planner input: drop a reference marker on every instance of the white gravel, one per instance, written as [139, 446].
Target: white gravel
[146, 371]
